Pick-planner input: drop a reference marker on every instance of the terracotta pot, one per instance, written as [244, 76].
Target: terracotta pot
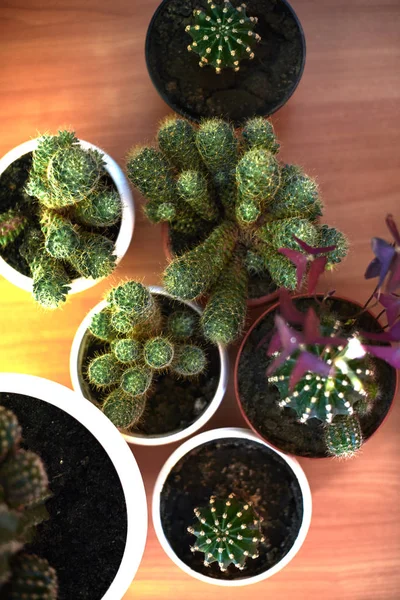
[251, 302]
[275, 436]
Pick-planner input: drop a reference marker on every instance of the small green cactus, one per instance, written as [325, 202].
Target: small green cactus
[140, 342]
[23, 493]
[343, 437]
[72, 200]
[222, 35]
[228, 532]
[228, 188]
[12, 224]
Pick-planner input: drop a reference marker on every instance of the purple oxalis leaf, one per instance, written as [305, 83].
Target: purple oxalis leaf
[311, 250]
[288, 310]
[389, 354]
[299, 260]
[308, 362]
[290, 341]
[316, 270]
[392, 335]
[392, 305]
[393, 229]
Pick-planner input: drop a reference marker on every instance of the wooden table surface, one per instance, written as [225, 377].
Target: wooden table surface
[81, 64]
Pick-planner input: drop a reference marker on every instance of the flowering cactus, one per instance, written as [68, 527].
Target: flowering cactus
[141, 343]
[230, 185]
[222, 35]
[228, 531]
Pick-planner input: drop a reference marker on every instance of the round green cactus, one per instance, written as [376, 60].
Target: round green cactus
[101, 325]
[12, 223]
[123, 410]
[182, 324]
[158, 352]
[228, 532]
[104, 370]
[23, 479]
[343, 437]
[61, 236]
[132, 297]
[222, 35]
[122, 322]
[136, 380]
[32, 579]
[177, 140]
[259, 133]
[189, 360]
[101, 209]
[126, 350]
[10, 431]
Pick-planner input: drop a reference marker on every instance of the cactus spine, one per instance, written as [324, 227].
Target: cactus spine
[231, 184]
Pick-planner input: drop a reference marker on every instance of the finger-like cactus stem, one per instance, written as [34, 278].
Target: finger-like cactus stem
[279, 234]
[177, 140]
[258, 176]
[259, 133]
[193, 189]
[329, 236]
[343, 437]
[151, 174]
[23, 479]
[101, 209]
[101, 326]
[10, 431]
[32, 579]
[217, 145]
[297, 195]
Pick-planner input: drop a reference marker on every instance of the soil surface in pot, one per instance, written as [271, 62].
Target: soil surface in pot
[84, 538]
[173, 404]
[259, 285]
[254, 473]
[13, 196]
[260, 87]
[279, 426]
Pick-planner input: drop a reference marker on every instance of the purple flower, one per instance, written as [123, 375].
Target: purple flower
[310, 256]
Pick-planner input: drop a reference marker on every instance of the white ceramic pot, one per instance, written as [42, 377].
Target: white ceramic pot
[127, 222]
[224, 433]
[119, 453]
[78, 383]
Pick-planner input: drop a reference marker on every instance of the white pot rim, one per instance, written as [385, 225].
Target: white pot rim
[127, 221]
[215, 434]
[118, 451]
[160, 439]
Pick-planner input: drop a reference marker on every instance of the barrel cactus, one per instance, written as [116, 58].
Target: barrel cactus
[222, 35]
[62, 231]
[140, 342]
[234, 206]
[23, 492]
[228, 532]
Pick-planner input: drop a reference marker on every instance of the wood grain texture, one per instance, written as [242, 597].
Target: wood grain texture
[81, 64]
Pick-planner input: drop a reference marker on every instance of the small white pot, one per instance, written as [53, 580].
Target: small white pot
[78, 384]
[127, 221]
[119, 453]
[224, 433]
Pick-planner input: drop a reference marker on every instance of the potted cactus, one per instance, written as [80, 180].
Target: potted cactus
[230, 510]
[66, 216]
[23, 493]
[230, 205]
[221, 58]
[140, 357]
[61, 522]
[331, 375]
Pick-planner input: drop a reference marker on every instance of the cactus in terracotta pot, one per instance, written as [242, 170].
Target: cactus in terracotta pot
[141, 343]
[235, 207]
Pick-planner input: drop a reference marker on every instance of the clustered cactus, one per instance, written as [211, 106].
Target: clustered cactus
[23, 492]
[228, 531]
[222, 35]
[141, 342]
[214, 179]
[70, 201]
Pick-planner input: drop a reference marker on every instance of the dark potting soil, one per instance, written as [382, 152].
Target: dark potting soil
[258, 286]
[279, 426]
[251, 471]
[173, 403]
[260, 87]
[84, 538]
[12, 195]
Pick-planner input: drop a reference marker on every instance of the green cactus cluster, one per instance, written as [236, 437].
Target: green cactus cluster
[222, 35]
[71, 205]
[140, 342]
[337, 400]
[23, 493]
[211, 179]
[228, 531]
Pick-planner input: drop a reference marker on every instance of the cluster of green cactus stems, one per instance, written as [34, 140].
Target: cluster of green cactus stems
[73, 205]
[228, 531]
[222, 35]
[141, 343]
[229, 183]
[338, 399]
[23, 492]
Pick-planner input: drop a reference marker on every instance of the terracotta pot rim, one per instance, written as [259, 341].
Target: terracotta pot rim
[239, 354]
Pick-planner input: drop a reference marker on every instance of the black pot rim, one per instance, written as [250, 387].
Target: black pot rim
[186, 114]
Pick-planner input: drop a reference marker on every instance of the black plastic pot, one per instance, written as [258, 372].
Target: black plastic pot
[262, 85]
